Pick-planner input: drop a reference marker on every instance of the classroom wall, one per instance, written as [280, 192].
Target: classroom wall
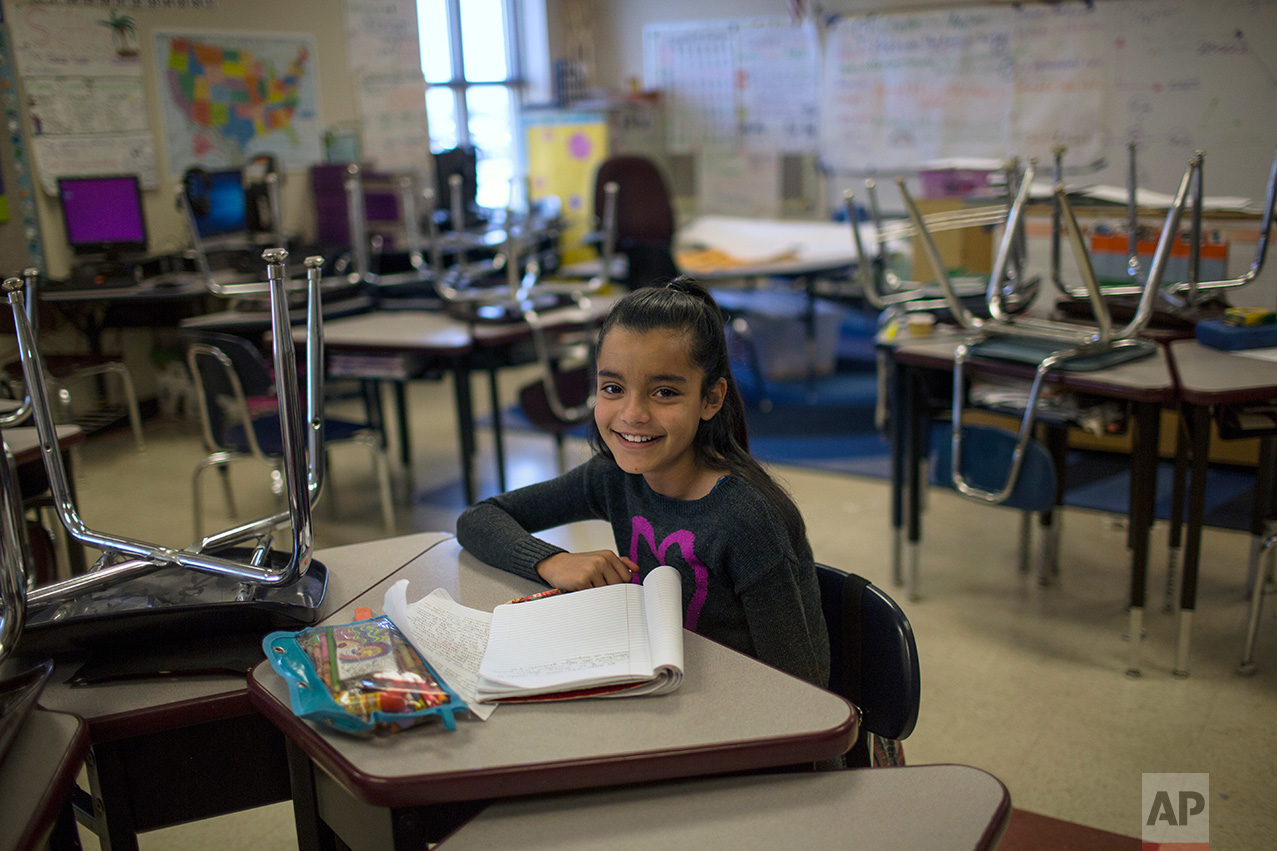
[324, 19]
[620, 24]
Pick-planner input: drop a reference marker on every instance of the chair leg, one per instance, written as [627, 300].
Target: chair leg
[560, 453]
[224, 473]
[1247, 665]
[381, 464]
[130, 399]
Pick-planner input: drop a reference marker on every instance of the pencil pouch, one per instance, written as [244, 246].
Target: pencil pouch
[362, 678]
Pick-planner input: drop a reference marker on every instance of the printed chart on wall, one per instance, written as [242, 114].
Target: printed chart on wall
[1172, 76]
[752, 83]
[82, 79]
[227, 97]
[385, 61]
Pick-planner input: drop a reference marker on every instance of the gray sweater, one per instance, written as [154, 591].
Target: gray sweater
[743, 584]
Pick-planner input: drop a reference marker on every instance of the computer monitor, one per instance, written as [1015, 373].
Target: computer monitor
[218, 201]
[103, 215]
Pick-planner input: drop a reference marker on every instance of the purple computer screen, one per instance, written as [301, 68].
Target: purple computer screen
[102, 210]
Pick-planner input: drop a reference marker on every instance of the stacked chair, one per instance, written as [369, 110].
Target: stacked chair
[232, 580]
[995, 467]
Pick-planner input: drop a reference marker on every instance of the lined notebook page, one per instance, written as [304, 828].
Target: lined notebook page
[600, 632]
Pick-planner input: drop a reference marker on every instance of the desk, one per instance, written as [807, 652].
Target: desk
[731, 713]
[37, 776]
[160, 302]
[1209, 378]
[1146, 384]
[24, 443]
[169, 750]
[749, 249]
[397, 346]
[937, 807]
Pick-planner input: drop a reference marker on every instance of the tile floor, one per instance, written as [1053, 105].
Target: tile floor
[1026, 682]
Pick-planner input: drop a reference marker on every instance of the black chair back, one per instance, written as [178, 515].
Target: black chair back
[873, 657]
[250, 368]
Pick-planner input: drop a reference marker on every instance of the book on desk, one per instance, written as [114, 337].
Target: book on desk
[614, 641]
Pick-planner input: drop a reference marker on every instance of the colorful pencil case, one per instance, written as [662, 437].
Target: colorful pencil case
[362, 678]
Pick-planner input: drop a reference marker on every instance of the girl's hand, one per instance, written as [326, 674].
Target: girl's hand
[574, 571]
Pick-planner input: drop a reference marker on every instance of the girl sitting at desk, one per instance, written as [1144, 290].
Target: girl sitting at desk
[673, 475]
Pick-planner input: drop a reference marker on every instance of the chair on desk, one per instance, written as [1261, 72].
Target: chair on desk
[240, 419]
[873, 660]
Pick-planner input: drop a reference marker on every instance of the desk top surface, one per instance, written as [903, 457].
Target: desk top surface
[254, 320]
[730, 713]
[130, 707]
[939, 807]
[24, 441]
[160, 288]
[747, 247]
[1210, 376]
[435, 332]
[1147, 379]
[37, 774]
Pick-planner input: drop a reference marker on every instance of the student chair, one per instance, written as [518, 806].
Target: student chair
[62, 372]
[1182, 294]
[644, 217]
[240, 417]
[873, 658]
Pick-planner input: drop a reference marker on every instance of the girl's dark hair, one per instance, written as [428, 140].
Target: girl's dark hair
[722, 442]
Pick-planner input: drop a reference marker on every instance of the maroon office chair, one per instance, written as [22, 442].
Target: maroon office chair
[644, 218]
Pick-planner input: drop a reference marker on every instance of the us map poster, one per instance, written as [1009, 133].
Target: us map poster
[227, 97]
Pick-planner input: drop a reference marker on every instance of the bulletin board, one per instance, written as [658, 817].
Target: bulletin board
[896, 92]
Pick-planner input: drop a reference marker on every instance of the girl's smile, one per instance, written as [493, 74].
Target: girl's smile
[650, 404]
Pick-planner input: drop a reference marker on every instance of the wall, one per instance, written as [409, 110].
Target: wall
[619, 49]
[324, 19]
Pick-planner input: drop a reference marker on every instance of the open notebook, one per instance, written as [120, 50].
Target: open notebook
[613, 641]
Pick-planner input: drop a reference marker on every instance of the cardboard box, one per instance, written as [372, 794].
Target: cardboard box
[966, 251]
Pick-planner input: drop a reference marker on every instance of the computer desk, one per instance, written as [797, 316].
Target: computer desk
[397, 346]
[157, 302]
[731, 713]
[1208, 379]
[167, 750]
[937, 807]
[36, 778]
[1145, 384]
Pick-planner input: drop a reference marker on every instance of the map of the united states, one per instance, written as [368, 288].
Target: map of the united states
[232, 93]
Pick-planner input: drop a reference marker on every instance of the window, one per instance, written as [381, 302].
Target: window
[470, 59]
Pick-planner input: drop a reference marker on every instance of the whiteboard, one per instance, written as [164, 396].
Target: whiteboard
[897, 91]
[1172, 76]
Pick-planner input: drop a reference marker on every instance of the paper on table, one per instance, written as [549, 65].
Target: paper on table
[450, 636]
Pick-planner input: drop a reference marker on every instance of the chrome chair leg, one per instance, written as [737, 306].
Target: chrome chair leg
[1246, 667]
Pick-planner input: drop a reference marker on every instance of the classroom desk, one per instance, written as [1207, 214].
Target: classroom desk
[158, 302]
[1210, 378]
[937, 807]
[731, 713]
[253, 322]
[397, 346]
[1145, 384]
[37, 776]
[24, 443]
[718, 249]
[166, 750]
